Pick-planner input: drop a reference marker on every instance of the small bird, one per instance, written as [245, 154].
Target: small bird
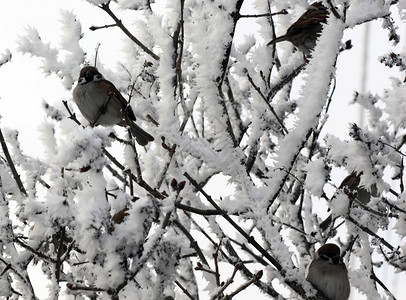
[351, 187]
[328, 273]
[305, 31]
[101, 103]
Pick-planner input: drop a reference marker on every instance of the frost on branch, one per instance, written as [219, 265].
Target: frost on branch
[63, 60]
[240, 186]
[5, 57]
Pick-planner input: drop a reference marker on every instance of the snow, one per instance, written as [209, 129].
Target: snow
[313, 95]
[339, 205]
[5, 57]
[361, 10]
[395, 107]
[316, 174]
[279, 183]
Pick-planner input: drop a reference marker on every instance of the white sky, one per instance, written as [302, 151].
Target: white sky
[24, 87]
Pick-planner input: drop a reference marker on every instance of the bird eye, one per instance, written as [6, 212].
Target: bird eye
[88, 76]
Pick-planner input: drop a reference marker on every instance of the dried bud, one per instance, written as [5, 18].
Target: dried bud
[84, 169]
[148, 64]
[165, 146]
[181, 185]
[174, 184]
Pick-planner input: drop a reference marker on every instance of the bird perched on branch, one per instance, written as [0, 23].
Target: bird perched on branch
[101, 103]
[305, 31]
[351, 187]
[327, 272]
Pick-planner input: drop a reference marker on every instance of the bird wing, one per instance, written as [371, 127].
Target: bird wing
[125, 107]
[317, 13]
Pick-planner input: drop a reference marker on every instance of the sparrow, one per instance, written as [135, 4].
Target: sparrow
[328, 273]
[304, 32]
[101, 103]
[351, 187]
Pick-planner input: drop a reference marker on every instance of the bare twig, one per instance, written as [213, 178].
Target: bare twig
[200, 267]
[227, 283]
[107, 9]
[216, 263]
[265, 287]
[59, 261]
[25, 279]
[250, 239]
[184, 290]
[172, 149]
[96, 54]
[244, 247]
[193, 243]
[94, 28]
[282, 12]
[377, 280]
[10, 162]
[246, 284]
[74, 287]
[288, 78]
[227, 116]
[370, 232]
[34, 251]
[72, 115]
[267, 103]
[227, 49]
[139, 181]
[334, 10]
[202, 212]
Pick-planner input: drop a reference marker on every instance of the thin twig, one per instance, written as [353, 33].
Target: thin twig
[282, 12]
[234, 15]
[216, 264]
[184, 290]
[227, 116]
[172, 149]
[394, 148]
[11, 165]
[392, 206]
[249, 238]
[200, 267]
[94, 28]
[96, 54]
[139, 181]
[35, 252]
[246, 284]
[370, 232]
[288, 78]
[244, 247]
[202, 212]
[264, 287]
[377, 280]
[74, 287]
[59, 261]
[227, 283]
[72, 115]
[334, 10]
[267, 103]
[193, 243]
[107, 9]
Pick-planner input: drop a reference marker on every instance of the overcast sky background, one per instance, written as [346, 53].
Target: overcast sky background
[24, 87]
